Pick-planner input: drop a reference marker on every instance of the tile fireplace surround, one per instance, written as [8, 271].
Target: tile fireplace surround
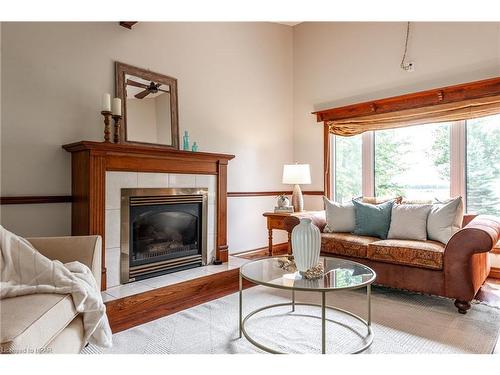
[99, 170]
[115, 181]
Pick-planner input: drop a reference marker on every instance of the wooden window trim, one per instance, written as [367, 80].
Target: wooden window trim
[443, 95]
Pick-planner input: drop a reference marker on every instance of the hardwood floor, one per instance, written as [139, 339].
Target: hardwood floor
[490, 292]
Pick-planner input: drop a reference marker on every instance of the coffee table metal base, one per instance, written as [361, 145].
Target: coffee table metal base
[368, 338]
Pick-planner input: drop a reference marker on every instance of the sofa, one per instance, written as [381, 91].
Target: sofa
[49, 323]
[455, 270]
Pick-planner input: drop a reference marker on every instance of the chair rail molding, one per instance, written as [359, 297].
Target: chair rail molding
[43, 199]
[36, 199]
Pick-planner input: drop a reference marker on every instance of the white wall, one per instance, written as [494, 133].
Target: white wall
[235, 96]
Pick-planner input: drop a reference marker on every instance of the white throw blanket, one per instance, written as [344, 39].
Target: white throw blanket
[25, 271]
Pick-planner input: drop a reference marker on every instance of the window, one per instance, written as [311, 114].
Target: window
[422, 163]
[413, 162]
[483, 165]
[348, 168]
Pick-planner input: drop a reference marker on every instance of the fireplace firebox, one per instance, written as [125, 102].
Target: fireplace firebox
[162, 231]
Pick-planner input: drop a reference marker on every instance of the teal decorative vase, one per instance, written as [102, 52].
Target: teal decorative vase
[185, 141]
[306, 244]
[194, 148]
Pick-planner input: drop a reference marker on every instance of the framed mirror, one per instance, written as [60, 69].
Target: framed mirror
[149, 106]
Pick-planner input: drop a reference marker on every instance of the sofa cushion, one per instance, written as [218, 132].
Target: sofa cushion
[70, 340]
[372, 220]
[30, 322]
[424, 254]
[339, 216]
[346, 244]
[409, 221]
[445, 219]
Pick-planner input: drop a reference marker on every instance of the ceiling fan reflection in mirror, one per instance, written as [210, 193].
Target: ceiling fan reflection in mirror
[152, 88]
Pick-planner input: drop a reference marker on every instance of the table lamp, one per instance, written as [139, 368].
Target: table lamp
[295, 174]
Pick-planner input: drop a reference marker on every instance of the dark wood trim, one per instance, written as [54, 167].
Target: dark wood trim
[234, 194]
[443, 95]
[327, 181]
[91, 160]
[145, 151]
[494, 273]
[141, 308]
[36, 199]
[127, 24]
[221, 252]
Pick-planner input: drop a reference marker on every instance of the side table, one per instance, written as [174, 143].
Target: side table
[277, 221]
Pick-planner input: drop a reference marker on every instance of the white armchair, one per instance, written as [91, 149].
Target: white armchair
[49, 323]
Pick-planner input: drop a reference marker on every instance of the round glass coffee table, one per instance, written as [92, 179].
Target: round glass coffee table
[340, 274]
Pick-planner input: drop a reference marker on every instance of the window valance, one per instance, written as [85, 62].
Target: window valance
[454, 103]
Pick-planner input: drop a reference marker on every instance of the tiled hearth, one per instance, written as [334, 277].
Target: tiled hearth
[115, 181]
[142, 286]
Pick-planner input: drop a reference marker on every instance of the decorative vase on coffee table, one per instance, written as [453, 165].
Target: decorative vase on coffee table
[306, 243]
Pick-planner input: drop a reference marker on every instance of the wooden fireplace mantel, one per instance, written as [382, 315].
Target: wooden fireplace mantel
[90, 161]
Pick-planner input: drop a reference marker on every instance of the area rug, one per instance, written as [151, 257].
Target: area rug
[402, 322]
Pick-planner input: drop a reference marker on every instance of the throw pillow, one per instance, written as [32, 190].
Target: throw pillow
[445, 219]
[372, 220]
[409, 221]
[339, 216]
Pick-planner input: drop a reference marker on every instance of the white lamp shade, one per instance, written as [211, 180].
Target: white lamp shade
[296, 174]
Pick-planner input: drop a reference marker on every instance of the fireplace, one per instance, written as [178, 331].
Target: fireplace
[162, 231]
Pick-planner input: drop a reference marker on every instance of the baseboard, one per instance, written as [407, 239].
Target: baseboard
[280, 248]
[494, 273]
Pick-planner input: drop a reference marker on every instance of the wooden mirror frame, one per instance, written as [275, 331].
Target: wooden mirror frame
[121, 70]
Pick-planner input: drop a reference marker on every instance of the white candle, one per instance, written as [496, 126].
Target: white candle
[106, 102]
[117, 107]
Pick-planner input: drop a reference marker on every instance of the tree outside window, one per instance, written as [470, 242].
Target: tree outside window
[404, 162]
[348, 168]
[483, 165]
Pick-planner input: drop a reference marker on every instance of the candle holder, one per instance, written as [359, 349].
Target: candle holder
[107, 128]
[117, 136]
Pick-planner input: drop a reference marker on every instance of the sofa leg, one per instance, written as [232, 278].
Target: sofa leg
[462, 306]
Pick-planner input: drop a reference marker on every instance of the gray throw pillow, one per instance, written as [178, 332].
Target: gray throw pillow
[339, 216]
[409, 221]
[445, 219]
[372, 220]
